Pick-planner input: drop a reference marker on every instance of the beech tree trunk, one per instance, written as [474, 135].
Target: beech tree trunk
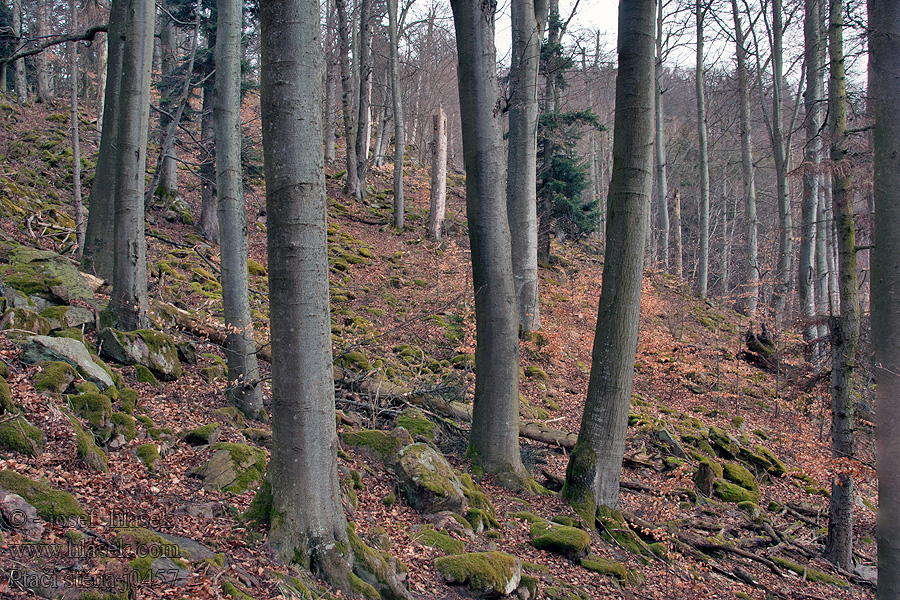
[528, 18]
[676, 226]
[330, 81]
[438, 177]
[244, 388]
[19, 65]
[128, 301]
[363, 118]
[884, 54]
[662, 186]
[347, 96]
[310, 527]
[494, 439]
[42, 73]
[209, 222]
[703, 258]
[595, 465]
[399, 131]
[168, 173]
[845, 328]
[99, 246]
[750, 294]
[77, 207]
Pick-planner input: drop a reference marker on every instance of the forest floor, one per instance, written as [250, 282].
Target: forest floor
[403, 324]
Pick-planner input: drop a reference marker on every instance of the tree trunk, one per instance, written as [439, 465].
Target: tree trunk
[347, 96]
[783, 272]
[129, 302]
[438, 177]
[676, 226]
[703, 258]
[750, 295]
[595, 465]
[99, 245]
[363, 118]
[396, 97]
[528, 18]
[42, 73]
[20, 82]
[168, 174]
[884, 54]
[244, 389]
[330, 85]
[77, 207]
[102, 62]
[662, 187]
[812, 178]
[726, 235]
[845, 330]
[550, 105]
[494, 439]
[209, 222]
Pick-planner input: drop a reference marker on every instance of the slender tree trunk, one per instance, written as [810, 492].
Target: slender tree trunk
[550, 105]
[494, 439]
[822, 273]
[845, 330]
[309, 527]
[399, 132]
[102, 62]
[812, 178]
[726, 236]
[595, 465]
[438, 176]
[750, 295]
[363, 119]
[703, 259]
[99, 246]
[884, 54]
[783, 272]
[77, 207]
[21, 84]
[330, 82]
[168, 173]
[129, 302]
[42, 73]
[244, 389]
[347, 96]
[209, 222]
[662, 186]
[528, 18]
[676, 226]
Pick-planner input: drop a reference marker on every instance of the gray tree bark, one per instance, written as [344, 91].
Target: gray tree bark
[595, 465]
[662, 186]
[42, 72]
[494, 439]
[676, 227]
[330, 82]
[99, 248]
[209, 222]
[77, 206]
[19, 76]
[528, 17]
[806, 276]
[128, 301]
[244, 390]
[347, 96]
[845, 328]
[750, 295]
[168, 172]
[884, 53]
[363, 118]
[399, 125]
[703, 257]
[438, 177]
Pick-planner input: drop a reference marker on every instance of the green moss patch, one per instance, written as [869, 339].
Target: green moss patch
[380, 443]
[54, 377]
[203, 435]
[427, 536]
[18, 435]
[149, 455]
[811, 574]
[484, 572]
[7, 406]
[731, 492]
[604, 566]
[740, 475]
[560, 539]
[416, 423]
[86, 449]
[51, 504]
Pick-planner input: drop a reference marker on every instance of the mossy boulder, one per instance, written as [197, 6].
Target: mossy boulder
[231, 415]
[740, 475]
[535, 372]
[20, 319]
[145, 375]
[96, 409]
[155, 350]
[18, 435]
[55, 376]
[427, 480]
[378, 569]
[725, 444]
[66, 317]
[777, 467]
[731, 492]
[604, 566]
[232, 467]
[149, 455]
[124, 425]
[416, 423]
[382, 444]
[45, 274]
[485, 573]
[86, 448]
[560, 539]
[41, 348]
[52, 505]
[613, 529]
[427, 536]
[7, 406]
[203, 435]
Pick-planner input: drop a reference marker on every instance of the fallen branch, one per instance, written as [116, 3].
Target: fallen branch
[210, 330]
[88, 35]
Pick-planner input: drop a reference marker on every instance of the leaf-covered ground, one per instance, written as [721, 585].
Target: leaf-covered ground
[403, 331]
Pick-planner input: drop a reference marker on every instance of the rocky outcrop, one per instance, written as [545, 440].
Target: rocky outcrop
[152, 349]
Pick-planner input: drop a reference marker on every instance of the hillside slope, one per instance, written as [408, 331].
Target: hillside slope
[703, 419]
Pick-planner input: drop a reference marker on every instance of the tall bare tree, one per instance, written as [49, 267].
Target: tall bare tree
[595, 465]
[78, 208]
[19, 65]
[397, 101]
[364, 103]
[703, 258]
[884, 54]
[494, 439]
[662, 186]
[347, 94]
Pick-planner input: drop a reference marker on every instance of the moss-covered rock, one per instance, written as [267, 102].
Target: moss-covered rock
[18, 435]
[535, 372]
[427, 536]
[128, 398]
[480, 520]
[777, 467]
[378, 569]
[485, 573]
[560, 539]
[7, 406]
[86, 448]
[427, 480]
[740, 475]
[231, 415]
[45, 274]
[55, 506]
[67, 317]
[731, 492]
[40, 349]
[604, 566]
[149, 455]
[155, 350]
[382, 444]
[613, 529]
[416, 423]
[725, 444]
[475, 495]
[232, 467]
[145, 375]
[124, 425]
[203, 435]
[22, 320]
[96, 409]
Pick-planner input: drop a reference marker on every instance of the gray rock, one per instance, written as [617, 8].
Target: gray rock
[232, 468]
[194, 550]
[427, 480]
[18, 515]
[669, 441]
[153, 349]
[488, 574]
[42, 348]
[64, 317]
[166, 571]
